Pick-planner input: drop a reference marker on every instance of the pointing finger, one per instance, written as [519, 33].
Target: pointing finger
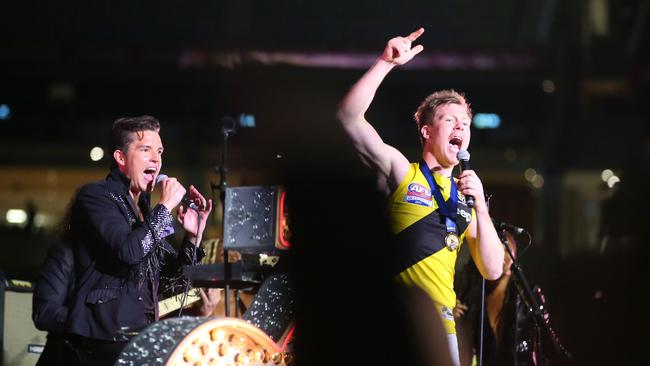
[413, 36]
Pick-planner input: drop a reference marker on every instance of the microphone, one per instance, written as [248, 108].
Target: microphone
[463, 158]
[185, 201]
[504, 226]
[228, 125]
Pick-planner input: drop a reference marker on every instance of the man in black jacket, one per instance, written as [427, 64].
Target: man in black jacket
[119, 242]
[51, 300]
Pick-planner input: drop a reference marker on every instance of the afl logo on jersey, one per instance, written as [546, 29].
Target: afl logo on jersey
[461, 198]
[418, 194]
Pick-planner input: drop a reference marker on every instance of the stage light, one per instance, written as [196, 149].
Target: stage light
[43, 220]
[530, 174]
[612, 181]
[246, 120]
[548, 86]
[486, 121]
[606, 174]
[96, 153]
[16, 216]
[5, 112]
[538, 181]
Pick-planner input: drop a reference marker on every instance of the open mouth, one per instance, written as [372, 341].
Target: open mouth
[456, 143]
[150, 173]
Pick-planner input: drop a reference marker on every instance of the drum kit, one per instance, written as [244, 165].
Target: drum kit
[203, 341]
[257, 336]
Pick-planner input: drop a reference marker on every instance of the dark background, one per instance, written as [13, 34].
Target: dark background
[68, 69]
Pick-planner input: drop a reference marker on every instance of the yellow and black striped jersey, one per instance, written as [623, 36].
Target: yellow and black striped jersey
[423, 258]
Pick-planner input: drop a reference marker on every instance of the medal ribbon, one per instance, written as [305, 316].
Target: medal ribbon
[447, 209]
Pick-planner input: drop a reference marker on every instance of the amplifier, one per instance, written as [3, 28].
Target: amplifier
[255, 219]
[21, 342]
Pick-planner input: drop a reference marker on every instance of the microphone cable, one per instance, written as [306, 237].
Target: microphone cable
[528, 245]
[192, 262]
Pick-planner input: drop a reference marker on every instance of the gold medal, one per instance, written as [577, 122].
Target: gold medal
[452, 242]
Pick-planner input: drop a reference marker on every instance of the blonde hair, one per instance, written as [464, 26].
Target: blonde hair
[427, 109]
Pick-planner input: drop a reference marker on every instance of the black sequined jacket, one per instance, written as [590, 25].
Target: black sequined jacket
[119, 259]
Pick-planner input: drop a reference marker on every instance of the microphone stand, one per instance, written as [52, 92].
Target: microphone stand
[222, 169]
[482, 324]
[532, 303]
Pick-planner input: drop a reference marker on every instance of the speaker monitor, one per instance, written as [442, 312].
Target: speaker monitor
[255, 219]
[21, 342]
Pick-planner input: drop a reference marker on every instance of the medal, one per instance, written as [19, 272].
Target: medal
[452, 242]
[448, 209]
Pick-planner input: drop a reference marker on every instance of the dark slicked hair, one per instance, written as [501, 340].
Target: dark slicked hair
[427, 109]
[121, 135]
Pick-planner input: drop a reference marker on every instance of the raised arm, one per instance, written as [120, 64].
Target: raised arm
[386, 160]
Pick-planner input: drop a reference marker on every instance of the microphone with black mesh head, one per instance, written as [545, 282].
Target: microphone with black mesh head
[505, 226]
[463, 158]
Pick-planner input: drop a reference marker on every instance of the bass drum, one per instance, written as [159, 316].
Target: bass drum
[202, 341]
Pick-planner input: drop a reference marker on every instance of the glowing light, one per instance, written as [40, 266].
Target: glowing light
[538, 181]
[486, 120]
[606, 174]
[43, 220]
[612, 181]
[530, 174]
[16, 216]
[247, 120]
[548, 86]
[5, 112]
[96, 153]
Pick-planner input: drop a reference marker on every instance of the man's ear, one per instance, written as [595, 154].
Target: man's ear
[424, 131]
[119, 157]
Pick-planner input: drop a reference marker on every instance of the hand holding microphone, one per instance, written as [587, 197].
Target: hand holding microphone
[173, 193]
[194, 220]
[463, 158]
